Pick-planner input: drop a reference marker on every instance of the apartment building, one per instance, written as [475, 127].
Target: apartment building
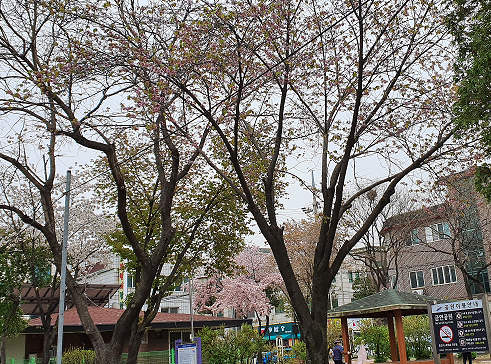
[442, 250]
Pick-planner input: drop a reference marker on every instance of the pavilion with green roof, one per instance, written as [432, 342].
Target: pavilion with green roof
[391, 304]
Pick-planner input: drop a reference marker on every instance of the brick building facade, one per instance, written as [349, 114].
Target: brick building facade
[444, 250]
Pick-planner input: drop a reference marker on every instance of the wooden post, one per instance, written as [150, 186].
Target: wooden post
[401, 339]
[345, 333]
[392, 336]
[450, 358]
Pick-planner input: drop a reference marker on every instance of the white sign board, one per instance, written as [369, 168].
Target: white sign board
[187, 354]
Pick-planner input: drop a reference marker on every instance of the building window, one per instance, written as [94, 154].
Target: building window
[180, 287]
[444, 275]
[417, 279]
[477, 269]
[393, 282]
[353, 275]
[413, 238]
[130, 281]
[184, 336]
[437, 232]
[170, 309]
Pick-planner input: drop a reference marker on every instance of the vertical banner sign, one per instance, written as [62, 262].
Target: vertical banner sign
[459, 326]
[121, 283]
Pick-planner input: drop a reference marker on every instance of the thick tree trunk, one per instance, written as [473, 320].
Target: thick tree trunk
[314, 336]
[48, 339]
[134, 344]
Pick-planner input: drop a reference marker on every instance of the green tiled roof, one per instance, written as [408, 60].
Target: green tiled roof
[379, 303]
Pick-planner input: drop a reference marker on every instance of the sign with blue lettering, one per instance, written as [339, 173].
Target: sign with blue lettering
[459, 326]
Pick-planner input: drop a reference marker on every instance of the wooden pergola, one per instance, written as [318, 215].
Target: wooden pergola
[391, 304]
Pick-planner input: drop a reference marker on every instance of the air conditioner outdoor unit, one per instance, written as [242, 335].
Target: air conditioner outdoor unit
[418, 291]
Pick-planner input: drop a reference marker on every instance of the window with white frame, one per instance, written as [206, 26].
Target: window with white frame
[417, 279]
[130, 281]
[437, 232]
[444, 275]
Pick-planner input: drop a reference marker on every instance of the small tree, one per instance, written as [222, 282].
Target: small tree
[418, 337]
[376, 337]
[363, 287]
[19, 262]
[333, 332]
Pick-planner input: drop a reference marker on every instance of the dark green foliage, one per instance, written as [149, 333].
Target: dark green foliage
[220, 347]
[79, 356]
[363, 287]
[16, 323]
[482, 180]
[470, 24]
[473, 353]
[418, 336]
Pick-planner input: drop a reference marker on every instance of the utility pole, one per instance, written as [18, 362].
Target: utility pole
[61, 314]
[191, 307]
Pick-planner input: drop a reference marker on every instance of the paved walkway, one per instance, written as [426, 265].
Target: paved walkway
[481, 359]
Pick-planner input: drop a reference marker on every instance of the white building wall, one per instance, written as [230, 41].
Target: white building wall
[342, 288]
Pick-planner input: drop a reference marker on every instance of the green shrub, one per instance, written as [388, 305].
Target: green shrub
[418, 337]
[229, 347]
[376, 338]
[473, 353]
[79, 356]
[299, 350]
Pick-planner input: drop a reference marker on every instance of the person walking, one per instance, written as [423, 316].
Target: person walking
[337, 352]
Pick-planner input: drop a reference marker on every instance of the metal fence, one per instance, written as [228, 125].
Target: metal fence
[30, 361]
[151, 357]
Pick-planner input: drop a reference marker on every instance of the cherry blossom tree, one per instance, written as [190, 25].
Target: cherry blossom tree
[300, 241]
[67, 90]
[245, 289]
[250, 87]
[350, 83]
[86, 244]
